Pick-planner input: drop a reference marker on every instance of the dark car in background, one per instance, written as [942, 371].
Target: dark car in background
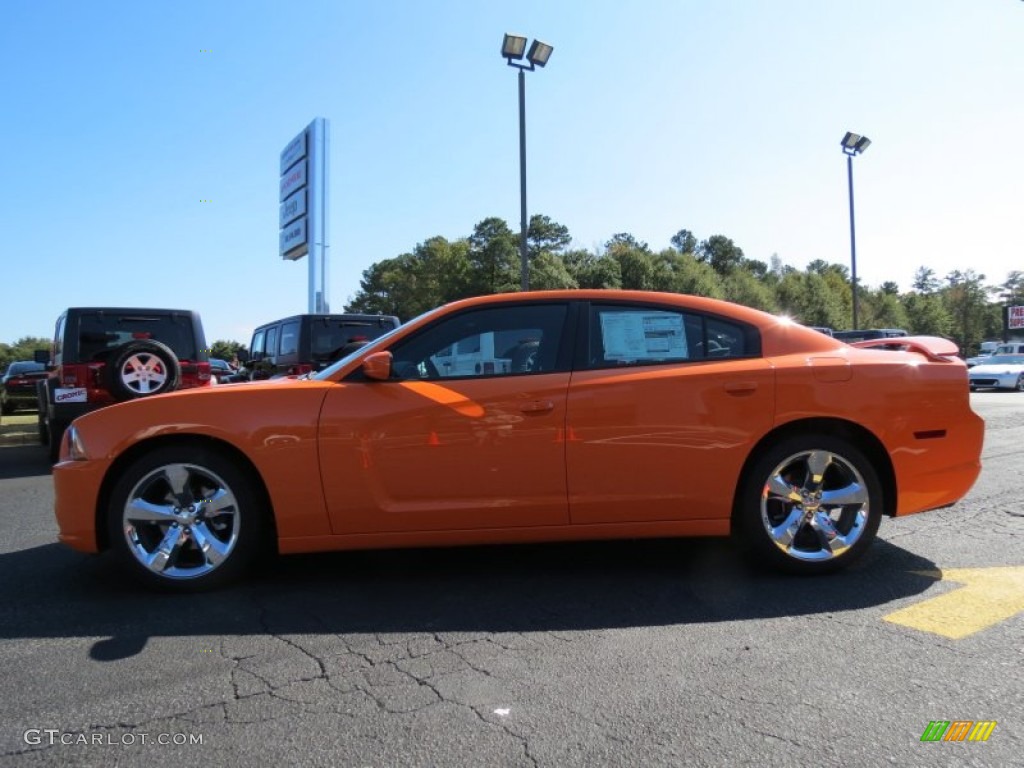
[223, 373]
[18, 385]
[868, 334]
[302, 344]
[106, 355]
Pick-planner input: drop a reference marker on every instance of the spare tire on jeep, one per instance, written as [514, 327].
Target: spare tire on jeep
[142, 368]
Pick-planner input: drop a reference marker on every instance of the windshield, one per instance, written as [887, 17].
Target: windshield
[1005, 360]
[377, 343]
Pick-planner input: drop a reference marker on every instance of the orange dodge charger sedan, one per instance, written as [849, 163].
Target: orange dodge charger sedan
[527, 417]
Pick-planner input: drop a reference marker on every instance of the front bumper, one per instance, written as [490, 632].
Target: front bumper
[993, 381]
[76, 486]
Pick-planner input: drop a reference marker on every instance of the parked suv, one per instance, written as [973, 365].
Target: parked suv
[304, 343]
[102, 356]
[18, 385]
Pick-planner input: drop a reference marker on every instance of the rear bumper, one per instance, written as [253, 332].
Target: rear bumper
[935, 473]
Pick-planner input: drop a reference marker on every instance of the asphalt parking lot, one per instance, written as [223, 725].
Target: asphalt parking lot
[620, 653]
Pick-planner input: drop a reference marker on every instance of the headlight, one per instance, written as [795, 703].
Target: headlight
[76, 448]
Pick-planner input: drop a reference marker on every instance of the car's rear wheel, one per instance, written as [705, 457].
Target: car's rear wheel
[810, 504]
[185, 518]
[1020, 383]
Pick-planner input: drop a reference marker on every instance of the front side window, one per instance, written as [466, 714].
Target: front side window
[256, 348]
[625, 335]
[498, 341]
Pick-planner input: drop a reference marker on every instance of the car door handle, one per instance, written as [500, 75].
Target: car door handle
[740, 388]
[537, 406]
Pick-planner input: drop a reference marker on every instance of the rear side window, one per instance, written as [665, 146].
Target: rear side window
[99, 333]
[332, 338]
[289, 339]
[271, 347]
[623, 335]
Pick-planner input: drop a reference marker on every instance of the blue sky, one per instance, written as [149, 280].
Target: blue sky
[718, 117]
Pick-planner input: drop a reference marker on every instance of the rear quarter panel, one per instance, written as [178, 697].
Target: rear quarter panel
[919, 410]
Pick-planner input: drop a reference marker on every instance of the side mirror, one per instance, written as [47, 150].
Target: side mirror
[242, 355]
[377, 367]
[41, 356]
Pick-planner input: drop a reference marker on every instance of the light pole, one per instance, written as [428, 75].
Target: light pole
[512, 48]
[853, 145]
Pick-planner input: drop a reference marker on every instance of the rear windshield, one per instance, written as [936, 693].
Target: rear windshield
[19, 368]
[100, 333]
[331, 338]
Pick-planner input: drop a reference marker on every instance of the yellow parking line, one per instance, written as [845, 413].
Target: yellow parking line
[989, 596]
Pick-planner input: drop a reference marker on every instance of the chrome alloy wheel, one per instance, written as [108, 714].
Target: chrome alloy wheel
[815, 506]
[143, 373]
[181, 521]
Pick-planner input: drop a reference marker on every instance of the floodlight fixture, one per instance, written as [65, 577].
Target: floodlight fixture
[513, 47]
[539, 53]
[854, 144]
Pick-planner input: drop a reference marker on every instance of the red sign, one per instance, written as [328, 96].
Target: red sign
[1015, 317]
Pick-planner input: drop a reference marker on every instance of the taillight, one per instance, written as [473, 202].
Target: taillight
[203, 371]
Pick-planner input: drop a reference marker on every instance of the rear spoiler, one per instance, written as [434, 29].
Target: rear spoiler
[935, 348]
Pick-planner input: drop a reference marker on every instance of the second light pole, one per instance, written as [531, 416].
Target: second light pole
[853, 145]
[513, 47]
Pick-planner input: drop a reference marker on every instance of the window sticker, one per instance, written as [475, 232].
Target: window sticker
[635, 336]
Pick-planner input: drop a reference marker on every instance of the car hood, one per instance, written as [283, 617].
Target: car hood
[996, 368]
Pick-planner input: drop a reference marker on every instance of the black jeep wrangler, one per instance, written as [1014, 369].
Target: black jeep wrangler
[305, 343]
[105, 355]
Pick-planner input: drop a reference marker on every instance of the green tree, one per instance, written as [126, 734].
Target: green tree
[23, 349]
[494, 265]
[966, 298]
[546, 236]
[925, 281]
[687, 274]
[226, 350]
[595, 270]
[926, 314]
[743, 287]
[684, 241]
[721, 253]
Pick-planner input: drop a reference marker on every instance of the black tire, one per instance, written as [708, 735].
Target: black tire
[780, 488]
[140, 369]
[216, 500]
[6, 407]
[1020, 383]
[43, 403]
[54, 435]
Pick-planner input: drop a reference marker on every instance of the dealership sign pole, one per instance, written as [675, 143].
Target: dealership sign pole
[303, 212]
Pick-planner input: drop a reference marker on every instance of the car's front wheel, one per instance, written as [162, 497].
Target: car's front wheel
[1019, 386]
[186, 518]
[810, 504]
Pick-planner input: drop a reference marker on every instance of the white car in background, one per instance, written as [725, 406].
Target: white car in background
[998, 372]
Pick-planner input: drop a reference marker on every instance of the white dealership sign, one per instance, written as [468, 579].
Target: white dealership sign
[302, 215]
